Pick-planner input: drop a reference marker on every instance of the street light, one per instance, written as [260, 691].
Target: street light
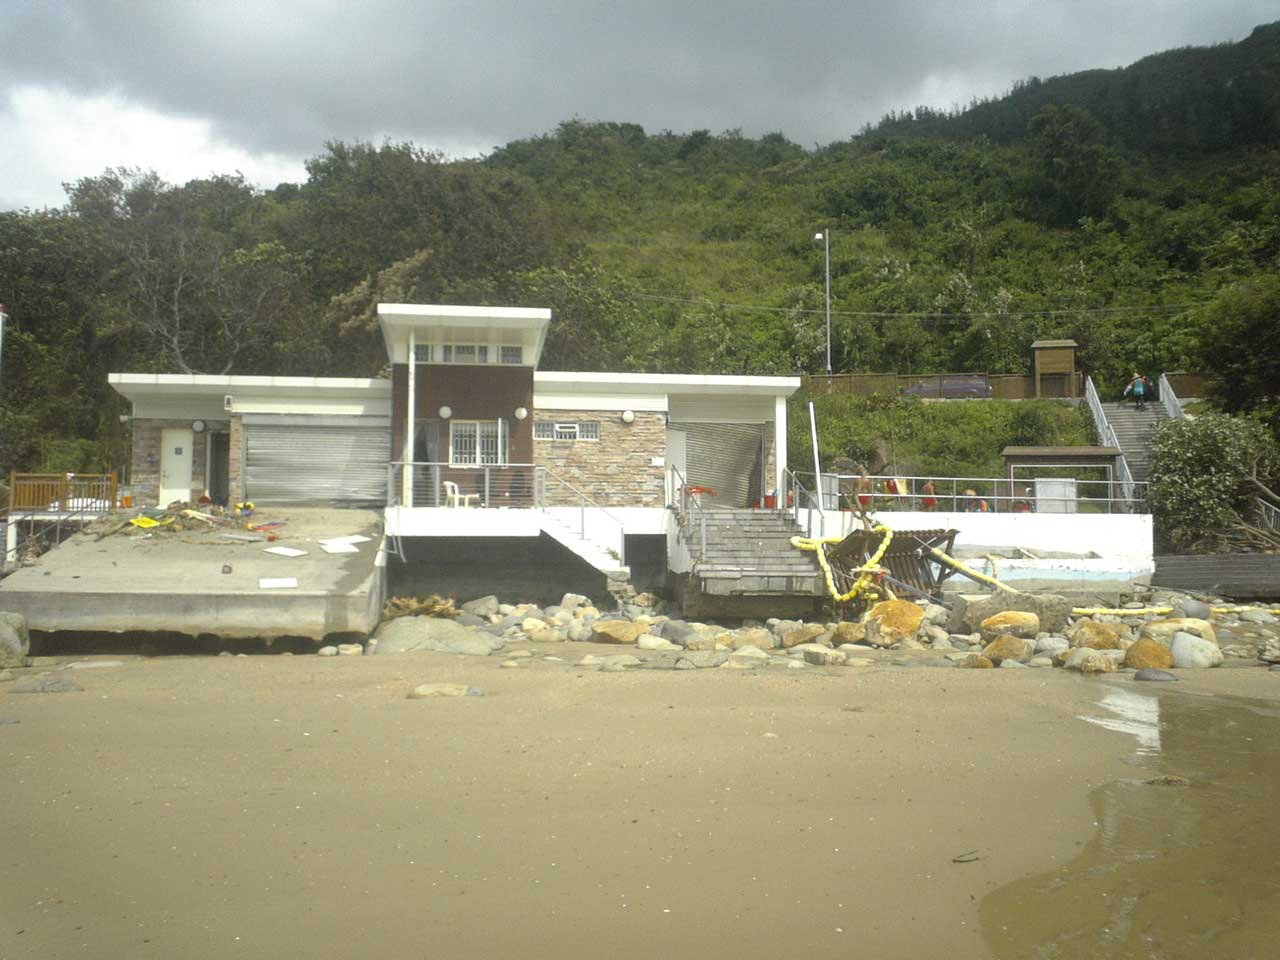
[825, 237]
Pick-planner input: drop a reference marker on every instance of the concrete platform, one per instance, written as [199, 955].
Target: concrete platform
[174, 581]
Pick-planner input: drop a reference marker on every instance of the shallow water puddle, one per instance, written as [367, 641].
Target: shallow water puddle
[1132, 713]
[1186, 859]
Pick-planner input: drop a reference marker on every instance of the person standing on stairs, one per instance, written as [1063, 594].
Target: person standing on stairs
[1139, 386]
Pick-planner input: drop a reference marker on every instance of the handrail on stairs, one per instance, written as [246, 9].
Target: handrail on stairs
[685, 503]
[1169, 400]
[540, 498]
[1107, 435]
[797, 494]
[1269, 513]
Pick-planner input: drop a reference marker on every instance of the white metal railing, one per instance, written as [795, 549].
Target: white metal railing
[685, 500]
[1169, 399]
[422, 484]
[545, 480]
[799, 497]
[989, 494]
[1107, 436]
[1269, 513]
[427, 484]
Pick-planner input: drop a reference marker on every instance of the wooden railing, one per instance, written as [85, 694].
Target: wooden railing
[55, 493]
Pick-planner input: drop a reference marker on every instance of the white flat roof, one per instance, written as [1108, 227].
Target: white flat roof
[558, 381]
[459, 315]
[134, 385]
[450, 323]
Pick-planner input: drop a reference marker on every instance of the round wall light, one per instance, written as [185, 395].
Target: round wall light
[521, 413]
[446, 412]
[628, 416]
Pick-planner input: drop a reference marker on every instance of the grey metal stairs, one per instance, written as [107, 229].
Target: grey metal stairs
[1134, 429]
[749, 553]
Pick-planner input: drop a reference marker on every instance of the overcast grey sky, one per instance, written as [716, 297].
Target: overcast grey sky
[193, 87]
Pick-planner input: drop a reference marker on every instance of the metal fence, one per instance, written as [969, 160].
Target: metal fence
[841, 491]
[999, 386]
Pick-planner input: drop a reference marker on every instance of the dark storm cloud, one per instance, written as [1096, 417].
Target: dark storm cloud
[284, 77]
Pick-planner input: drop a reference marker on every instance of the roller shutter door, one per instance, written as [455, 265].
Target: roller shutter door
[724, 457]
[317, 460]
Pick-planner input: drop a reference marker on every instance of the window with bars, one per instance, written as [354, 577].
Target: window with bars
[551, 430]
[478, 442]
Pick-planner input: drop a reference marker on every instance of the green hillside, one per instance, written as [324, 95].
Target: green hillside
[1135, 210]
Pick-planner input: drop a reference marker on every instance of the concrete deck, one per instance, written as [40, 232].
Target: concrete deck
[174, 582]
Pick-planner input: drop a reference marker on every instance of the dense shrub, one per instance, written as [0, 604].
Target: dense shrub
[1206, 476]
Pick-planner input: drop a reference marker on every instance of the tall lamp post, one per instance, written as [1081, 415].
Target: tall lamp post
[825, 237]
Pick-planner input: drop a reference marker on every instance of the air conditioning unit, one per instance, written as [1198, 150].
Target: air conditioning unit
[227, 401]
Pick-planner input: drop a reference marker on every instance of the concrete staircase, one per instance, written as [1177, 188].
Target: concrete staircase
[749, 554]
[1134, 429]
[600, 556]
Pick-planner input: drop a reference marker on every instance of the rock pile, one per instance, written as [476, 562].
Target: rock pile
[1011, 633]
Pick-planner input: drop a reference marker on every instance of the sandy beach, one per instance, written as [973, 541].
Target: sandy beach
[288, 805]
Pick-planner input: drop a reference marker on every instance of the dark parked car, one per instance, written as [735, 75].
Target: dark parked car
[951, 386]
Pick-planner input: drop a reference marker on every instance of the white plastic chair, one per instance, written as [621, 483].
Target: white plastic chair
[452, 498]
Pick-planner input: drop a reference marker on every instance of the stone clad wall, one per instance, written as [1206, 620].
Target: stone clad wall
[235, 460]
[615, 471]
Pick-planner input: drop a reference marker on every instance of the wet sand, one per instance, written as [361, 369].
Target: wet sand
[301, 806]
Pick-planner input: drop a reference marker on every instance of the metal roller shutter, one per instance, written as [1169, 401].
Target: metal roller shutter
[326, 461]
[724, 457]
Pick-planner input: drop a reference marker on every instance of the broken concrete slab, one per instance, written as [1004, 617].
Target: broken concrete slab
[968, 610]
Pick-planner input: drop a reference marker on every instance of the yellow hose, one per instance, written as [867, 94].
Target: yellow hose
[969, 571]
[866, 572]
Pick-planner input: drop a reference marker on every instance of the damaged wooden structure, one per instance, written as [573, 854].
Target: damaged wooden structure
[912, 567]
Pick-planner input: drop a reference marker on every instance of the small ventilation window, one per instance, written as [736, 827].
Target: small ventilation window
[507, 354]
[549, 430]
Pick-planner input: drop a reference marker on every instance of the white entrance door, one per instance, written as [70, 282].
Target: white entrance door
[175, 465]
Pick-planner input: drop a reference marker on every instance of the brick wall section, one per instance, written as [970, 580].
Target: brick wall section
[235, 461]
[144, 467]
[614, 471]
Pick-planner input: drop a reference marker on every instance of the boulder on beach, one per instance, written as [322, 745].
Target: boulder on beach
[414, 634]
[1148, 654]
[1088, 660]
[968, 610]
[1192, 652]
[1015, 623]
[892, 621]
[15, 641]
[805, 633]
[1007, 647]
[849, 632]
[1096, 636]
[616, 631]
[1162, 631]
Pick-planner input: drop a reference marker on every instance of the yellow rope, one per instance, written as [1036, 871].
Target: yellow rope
[866, 572]
[969, 571]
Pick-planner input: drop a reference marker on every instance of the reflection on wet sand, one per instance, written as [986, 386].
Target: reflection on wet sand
[1185, 860]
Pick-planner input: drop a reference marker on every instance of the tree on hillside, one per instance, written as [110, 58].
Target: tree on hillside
[1237, 341]
[1077, 174]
